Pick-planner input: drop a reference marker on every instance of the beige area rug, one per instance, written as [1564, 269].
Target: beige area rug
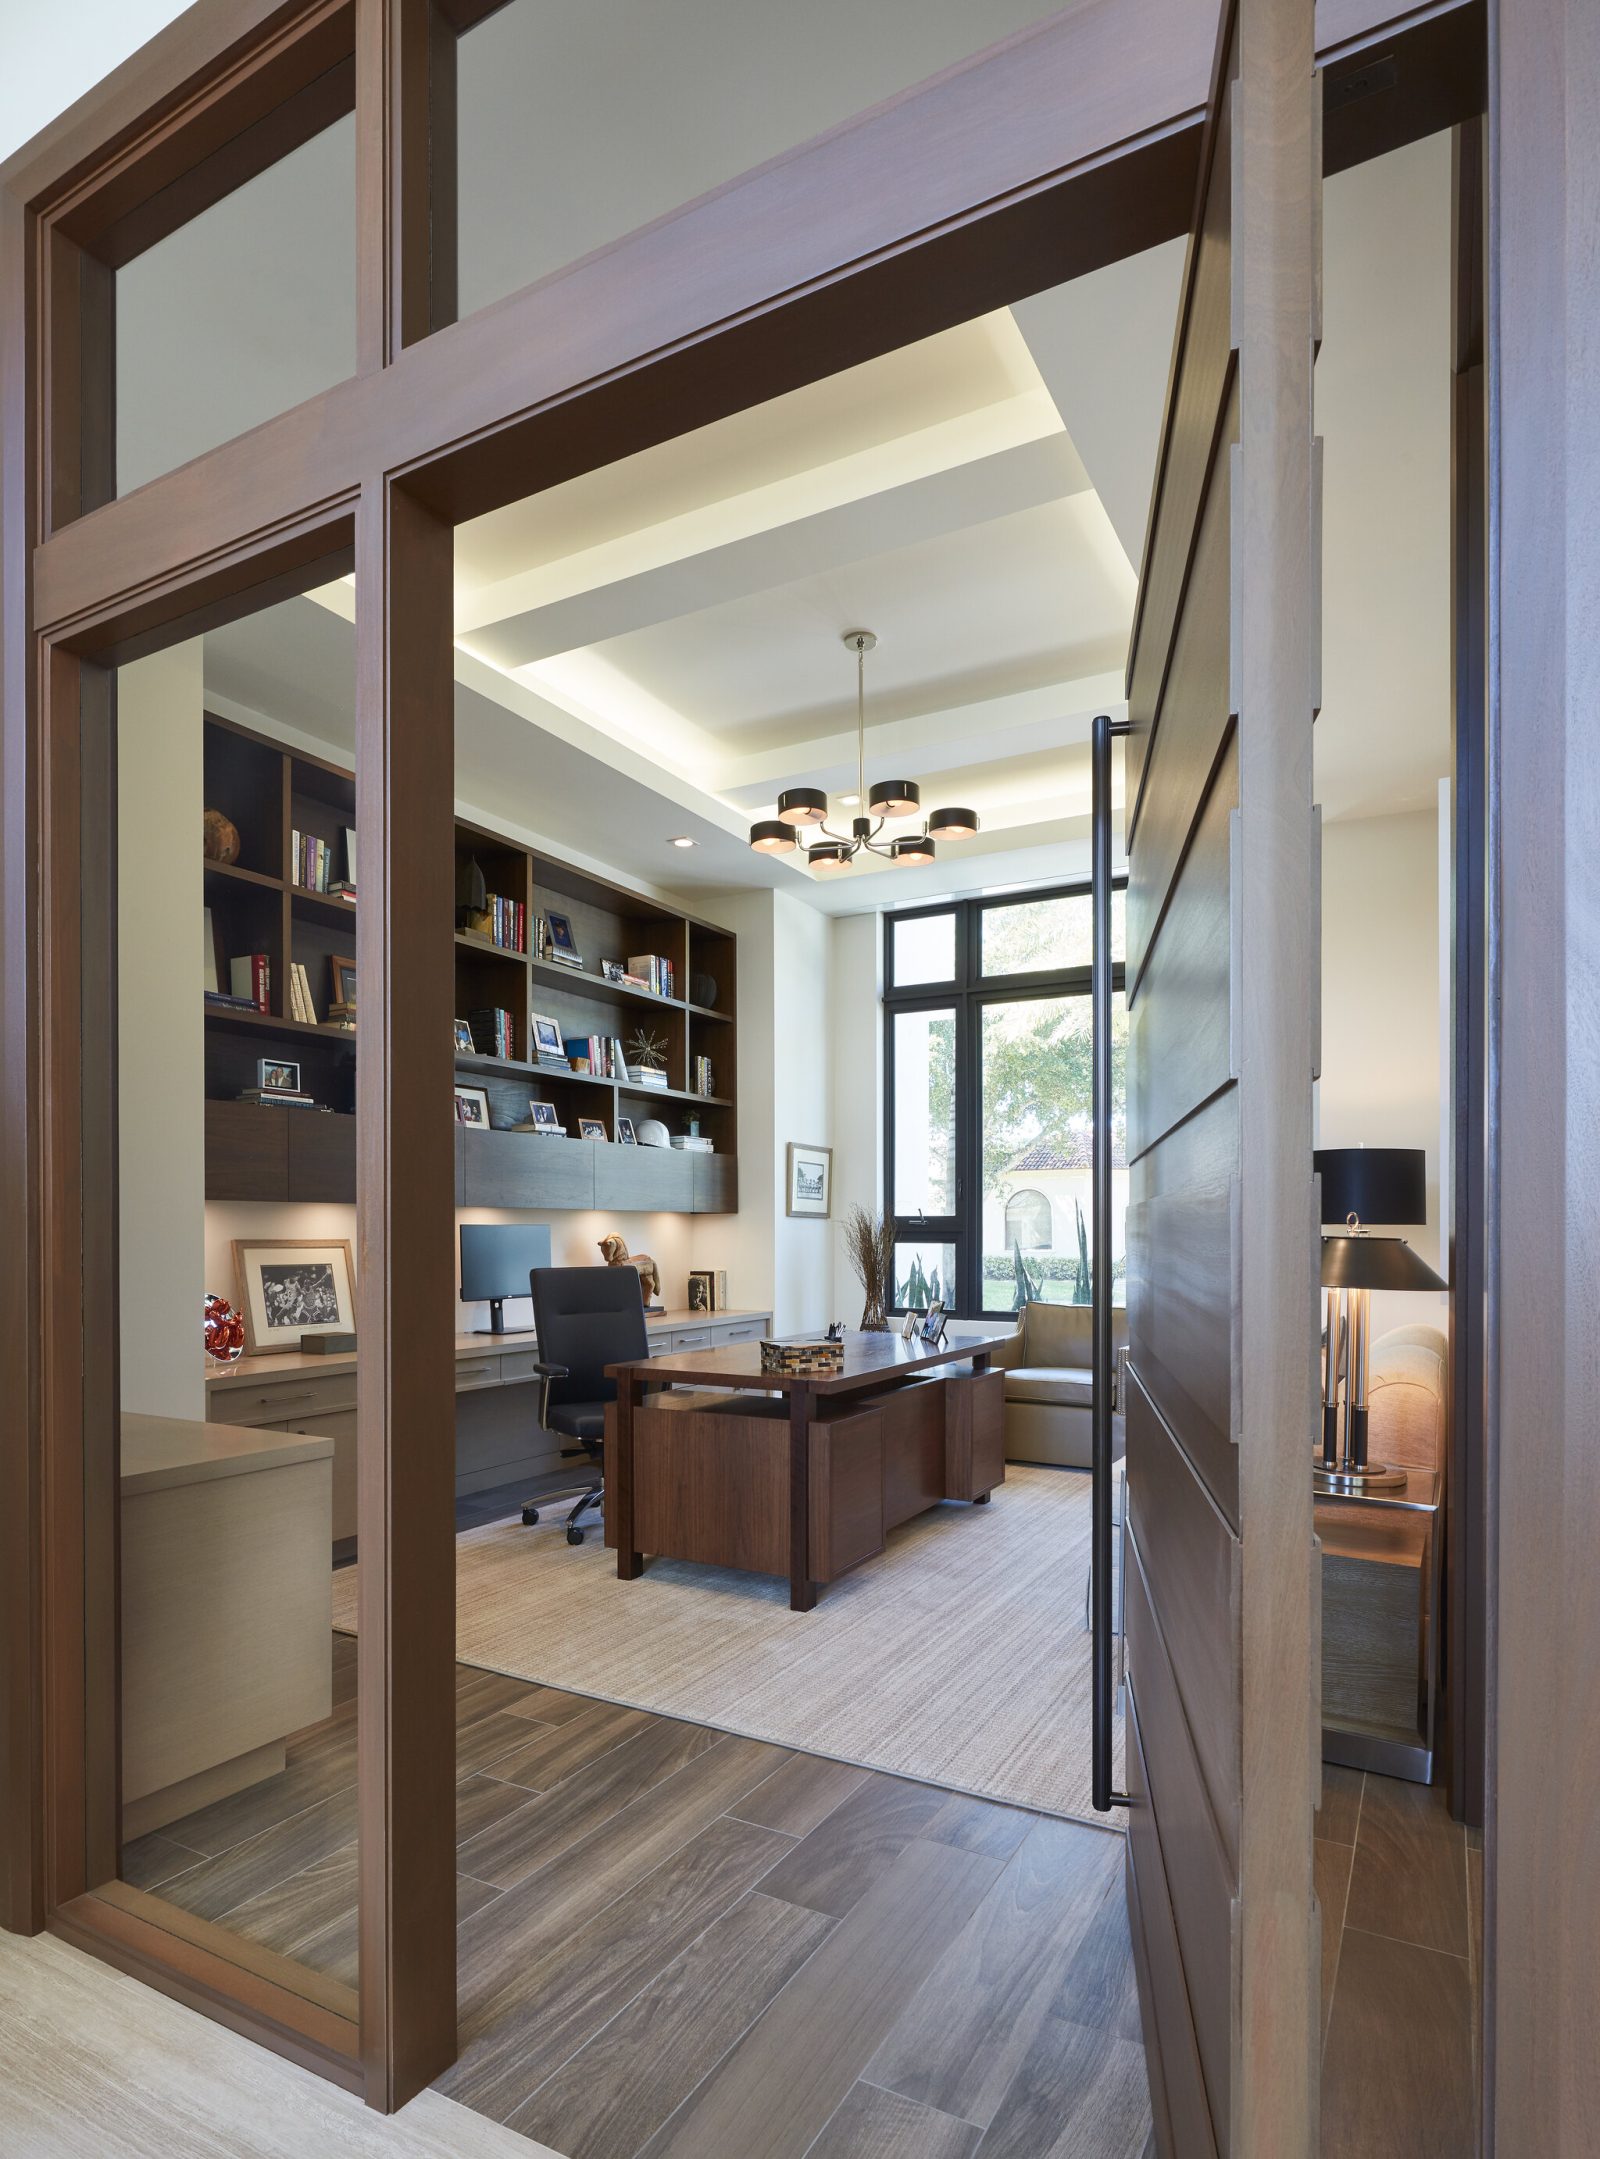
[958, 1657]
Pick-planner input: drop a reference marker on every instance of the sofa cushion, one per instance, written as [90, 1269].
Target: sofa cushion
[1057, 1334]
[1057, 1385]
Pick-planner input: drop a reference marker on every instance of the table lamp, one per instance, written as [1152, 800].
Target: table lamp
[1362, 1185]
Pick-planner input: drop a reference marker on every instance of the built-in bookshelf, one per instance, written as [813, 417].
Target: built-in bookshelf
[270, 793]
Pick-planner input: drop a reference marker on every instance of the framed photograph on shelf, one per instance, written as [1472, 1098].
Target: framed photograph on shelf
[342, 974]
[702, 1289]
[810, 1181]
[625, 1133]
[472, 1107]
[547, 1042]
[591, 1128]
[545, 1117]
[613, 970]
[464, 1045]
[932, 1328]
[277, 1075]
[291, 1287]
[563, 945]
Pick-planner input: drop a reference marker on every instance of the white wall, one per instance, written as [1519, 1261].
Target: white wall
[161, 1042]
[574, 1242]
[855, 1086]
[1381, 992]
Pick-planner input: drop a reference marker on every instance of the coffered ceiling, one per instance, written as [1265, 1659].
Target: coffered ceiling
[654, 650]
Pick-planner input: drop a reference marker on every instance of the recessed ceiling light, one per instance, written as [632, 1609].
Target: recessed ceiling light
[849, 801]
[681, 840]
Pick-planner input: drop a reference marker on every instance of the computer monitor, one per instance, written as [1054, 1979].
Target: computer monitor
[496, 1260]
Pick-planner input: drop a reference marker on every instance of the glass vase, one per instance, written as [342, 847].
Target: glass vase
[873, 1320]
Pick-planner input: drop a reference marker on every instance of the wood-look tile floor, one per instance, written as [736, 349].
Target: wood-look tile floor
[683, 1944]
[1401, 1890]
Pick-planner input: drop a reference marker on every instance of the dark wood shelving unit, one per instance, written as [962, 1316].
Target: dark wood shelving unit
[269, 790]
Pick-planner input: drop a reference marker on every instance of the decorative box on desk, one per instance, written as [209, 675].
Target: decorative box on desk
[1382, 1558]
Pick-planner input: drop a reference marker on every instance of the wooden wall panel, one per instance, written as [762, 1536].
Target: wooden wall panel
[1188, 1548]
[1179, 2100]
[1181, 1026]
[1222, 973]
[1200, 1873]
[1183, 1288]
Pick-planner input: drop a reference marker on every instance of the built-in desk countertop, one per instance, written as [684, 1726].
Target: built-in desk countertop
[498, 1435]
[160, 1452]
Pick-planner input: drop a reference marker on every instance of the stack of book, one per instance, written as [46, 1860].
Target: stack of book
[702, 1076]
[504, 922]
[343, 1017]
[221, 1001]
[250, 979]
[300, 1005]
[600, 1055]
[311, 867]
[692, 1143]
[649, 1076]
[289, 1096]
[493, 1032]
[649, 971]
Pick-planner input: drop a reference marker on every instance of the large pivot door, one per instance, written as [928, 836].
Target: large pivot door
[1222, 984]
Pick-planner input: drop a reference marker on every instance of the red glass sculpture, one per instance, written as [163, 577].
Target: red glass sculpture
[224, 1329]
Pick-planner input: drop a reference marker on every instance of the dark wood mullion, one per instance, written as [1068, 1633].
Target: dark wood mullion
[405, 1213]
[405, 155]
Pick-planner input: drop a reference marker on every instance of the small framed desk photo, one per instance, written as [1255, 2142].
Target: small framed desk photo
[810, 1180]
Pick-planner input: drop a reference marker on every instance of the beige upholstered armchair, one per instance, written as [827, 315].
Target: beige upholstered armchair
[1049, 1386]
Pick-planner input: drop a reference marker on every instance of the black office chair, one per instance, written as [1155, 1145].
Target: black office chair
[585, 1318]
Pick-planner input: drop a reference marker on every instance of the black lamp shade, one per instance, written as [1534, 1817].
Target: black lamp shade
[769, 837]
[802, 806]
[1375, 1184]
[1375, 1263]
[953, 824]
[895, 798]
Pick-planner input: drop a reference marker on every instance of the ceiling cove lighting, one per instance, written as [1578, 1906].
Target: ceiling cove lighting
[800, 808]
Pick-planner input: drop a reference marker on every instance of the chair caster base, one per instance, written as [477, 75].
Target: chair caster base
[530, 1515]
[574, 1536]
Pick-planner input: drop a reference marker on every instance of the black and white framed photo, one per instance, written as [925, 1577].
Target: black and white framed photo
[296, 1286]
[702, 1289]
[810, 1184]
[563, 945]
[613, 970]
[472, 1107]
[625, 1133]
[464, 1043]
[544, 1117]
[591, 1128]
[277, 1075]
[547, 1043]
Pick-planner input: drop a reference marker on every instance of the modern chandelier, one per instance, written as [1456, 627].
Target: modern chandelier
[801, 807]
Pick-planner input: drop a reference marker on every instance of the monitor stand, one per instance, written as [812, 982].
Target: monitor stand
[497, 1318]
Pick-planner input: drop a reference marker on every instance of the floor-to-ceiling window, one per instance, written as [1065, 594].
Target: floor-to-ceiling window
[987, 1101]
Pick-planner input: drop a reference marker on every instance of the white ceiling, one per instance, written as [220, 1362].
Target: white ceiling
[655, 648]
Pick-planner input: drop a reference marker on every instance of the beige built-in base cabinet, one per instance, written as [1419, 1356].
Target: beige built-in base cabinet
[498, 1434]
[226, 1608]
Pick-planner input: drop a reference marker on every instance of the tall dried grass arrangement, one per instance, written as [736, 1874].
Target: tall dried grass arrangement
[869, 1247]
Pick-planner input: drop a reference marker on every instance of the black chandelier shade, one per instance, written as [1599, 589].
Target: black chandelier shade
[802, 806]
[895, 798]
[1375, 1263]
[770, 837]
[1375, 1184]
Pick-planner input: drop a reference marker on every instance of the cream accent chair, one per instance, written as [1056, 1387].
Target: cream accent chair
[1049, 1386]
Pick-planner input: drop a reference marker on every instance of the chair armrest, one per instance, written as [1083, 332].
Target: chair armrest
[551, 1371]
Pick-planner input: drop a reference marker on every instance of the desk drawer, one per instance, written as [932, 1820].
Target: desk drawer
[693, 1338]
[518, 1364]
[476, 1372]
[742, 1330]
[278, 1401]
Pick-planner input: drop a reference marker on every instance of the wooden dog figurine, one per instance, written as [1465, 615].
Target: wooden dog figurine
[616, 1254]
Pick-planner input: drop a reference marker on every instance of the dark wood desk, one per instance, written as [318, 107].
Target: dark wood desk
[931, 1443]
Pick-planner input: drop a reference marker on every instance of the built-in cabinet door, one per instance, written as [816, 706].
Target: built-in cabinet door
[1222, 970]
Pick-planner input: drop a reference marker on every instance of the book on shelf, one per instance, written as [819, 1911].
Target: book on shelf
[250, 979]
[500, 922]
[276, 1095]
[493, 1032]
[692, 1143]
[649, 1076]
[652, 972]
[300, 1003]
[311, 864]
[601, 1054]
[224, 1001]
[702, 1076]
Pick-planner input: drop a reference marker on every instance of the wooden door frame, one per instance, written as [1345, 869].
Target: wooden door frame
[1064, 148]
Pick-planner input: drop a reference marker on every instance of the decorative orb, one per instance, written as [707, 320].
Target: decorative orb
[703, 991]
[223, 1327]
[222, 838]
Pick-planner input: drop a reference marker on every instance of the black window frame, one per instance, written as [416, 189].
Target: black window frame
[967, 992]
